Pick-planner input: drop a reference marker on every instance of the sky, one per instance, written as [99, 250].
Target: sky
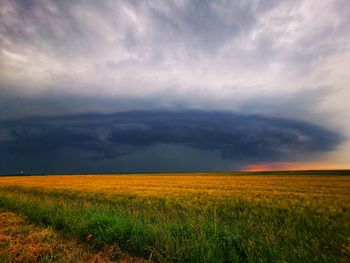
[153, 86]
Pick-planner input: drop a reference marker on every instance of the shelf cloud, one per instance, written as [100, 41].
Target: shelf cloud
[238, 139]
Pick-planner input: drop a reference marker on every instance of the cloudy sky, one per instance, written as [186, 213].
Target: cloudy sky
[280, 68]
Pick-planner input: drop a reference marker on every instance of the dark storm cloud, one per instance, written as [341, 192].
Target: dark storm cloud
[272, 57]
[41, 144]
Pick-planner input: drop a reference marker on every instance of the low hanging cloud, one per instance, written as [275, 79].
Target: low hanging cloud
[44, 144]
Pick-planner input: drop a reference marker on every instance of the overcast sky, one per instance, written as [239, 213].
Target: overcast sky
[285, 59]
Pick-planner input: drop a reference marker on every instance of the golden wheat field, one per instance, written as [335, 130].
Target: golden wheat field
[320, 189]
[165, 184]
[202, 217]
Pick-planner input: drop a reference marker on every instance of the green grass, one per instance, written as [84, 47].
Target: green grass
[189, 228]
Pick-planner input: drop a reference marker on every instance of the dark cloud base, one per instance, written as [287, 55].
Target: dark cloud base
[156, 141]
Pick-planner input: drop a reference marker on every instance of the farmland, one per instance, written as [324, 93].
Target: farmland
[202, 217]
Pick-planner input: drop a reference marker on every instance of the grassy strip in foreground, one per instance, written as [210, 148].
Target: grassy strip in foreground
[24, 242]
[191, 228]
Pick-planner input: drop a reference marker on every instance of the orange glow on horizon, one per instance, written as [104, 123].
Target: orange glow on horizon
[286, 166]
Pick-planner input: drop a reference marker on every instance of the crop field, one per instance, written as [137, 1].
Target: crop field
[202, 217]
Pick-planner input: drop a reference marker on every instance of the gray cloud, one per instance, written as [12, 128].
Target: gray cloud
[146, 46]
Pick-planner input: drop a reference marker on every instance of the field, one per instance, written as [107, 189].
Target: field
[205, 217]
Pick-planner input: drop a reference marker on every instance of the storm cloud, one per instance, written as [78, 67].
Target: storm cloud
[274, 58]
[39, 145]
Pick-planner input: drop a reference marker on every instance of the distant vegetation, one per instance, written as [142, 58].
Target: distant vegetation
[193, 218]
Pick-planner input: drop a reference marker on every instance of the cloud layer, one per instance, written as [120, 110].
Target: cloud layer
[220, 54]
[42, 144]
[276, 58]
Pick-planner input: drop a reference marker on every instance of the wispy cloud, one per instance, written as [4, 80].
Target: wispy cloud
[218, 49]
